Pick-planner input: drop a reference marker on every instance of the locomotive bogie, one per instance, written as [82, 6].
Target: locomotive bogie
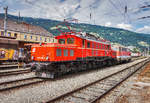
[56, 69]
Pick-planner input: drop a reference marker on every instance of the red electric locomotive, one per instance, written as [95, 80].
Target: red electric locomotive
[73, 52]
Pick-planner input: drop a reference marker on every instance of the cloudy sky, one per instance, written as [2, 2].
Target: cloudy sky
[124, 14]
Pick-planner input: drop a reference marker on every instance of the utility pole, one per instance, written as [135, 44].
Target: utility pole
[18, 16]
[148, 51]
[5, 20]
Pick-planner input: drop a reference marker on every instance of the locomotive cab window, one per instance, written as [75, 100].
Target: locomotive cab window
[61, 41]
[70, 40]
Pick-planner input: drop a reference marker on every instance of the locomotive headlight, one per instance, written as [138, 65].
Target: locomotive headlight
[47, 58]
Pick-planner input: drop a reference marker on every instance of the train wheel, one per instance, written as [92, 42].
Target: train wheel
[109, 63]
[73, 68]
[94, 65]
[63, 68]
[82, 66]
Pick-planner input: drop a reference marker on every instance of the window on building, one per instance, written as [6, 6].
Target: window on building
[45, 39]
[88, 44]
[58, 52]
[61, 41]
[15, 35]
[9, 34]
[40, 38]
[71, 52]
[25, 36]
[65, 52]
[70, 40]
[36, 38]
[31, 37]
[2, 33]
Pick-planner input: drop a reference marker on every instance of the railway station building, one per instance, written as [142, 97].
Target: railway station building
[18, 34]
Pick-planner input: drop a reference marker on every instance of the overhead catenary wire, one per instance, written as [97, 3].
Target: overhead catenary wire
[35, 5]
[55, 8]
[114, 5]
[91, 14]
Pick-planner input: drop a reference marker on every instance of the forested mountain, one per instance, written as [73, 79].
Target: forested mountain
[114, 35]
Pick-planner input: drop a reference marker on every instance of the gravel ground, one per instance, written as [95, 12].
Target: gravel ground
[16, 77]
[51, 89]
[18, 83]
[139, 91]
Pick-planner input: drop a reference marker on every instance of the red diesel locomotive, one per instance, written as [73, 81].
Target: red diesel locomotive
[73, 52]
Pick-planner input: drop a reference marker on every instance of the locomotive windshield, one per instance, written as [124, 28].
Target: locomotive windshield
[70, 40]
[61, 41]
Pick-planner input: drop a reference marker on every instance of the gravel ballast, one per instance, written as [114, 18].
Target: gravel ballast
[50, 89]
[16, 77]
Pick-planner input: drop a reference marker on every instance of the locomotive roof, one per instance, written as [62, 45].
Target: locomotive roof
[54, 45]
[83, 37]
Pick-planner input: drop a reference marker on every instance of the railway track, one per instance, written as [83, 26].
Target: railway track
[14, 72]
[137, 58]
[6, 67]
[96, 90]
[9, 85]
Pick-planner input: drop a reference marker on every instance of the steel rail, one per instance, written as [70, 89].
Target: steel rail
[8, 73]
[58, 98]
[22, 84]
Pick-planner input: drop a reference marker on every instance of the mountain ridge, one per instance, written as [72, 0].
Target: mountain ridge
[115, 35]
